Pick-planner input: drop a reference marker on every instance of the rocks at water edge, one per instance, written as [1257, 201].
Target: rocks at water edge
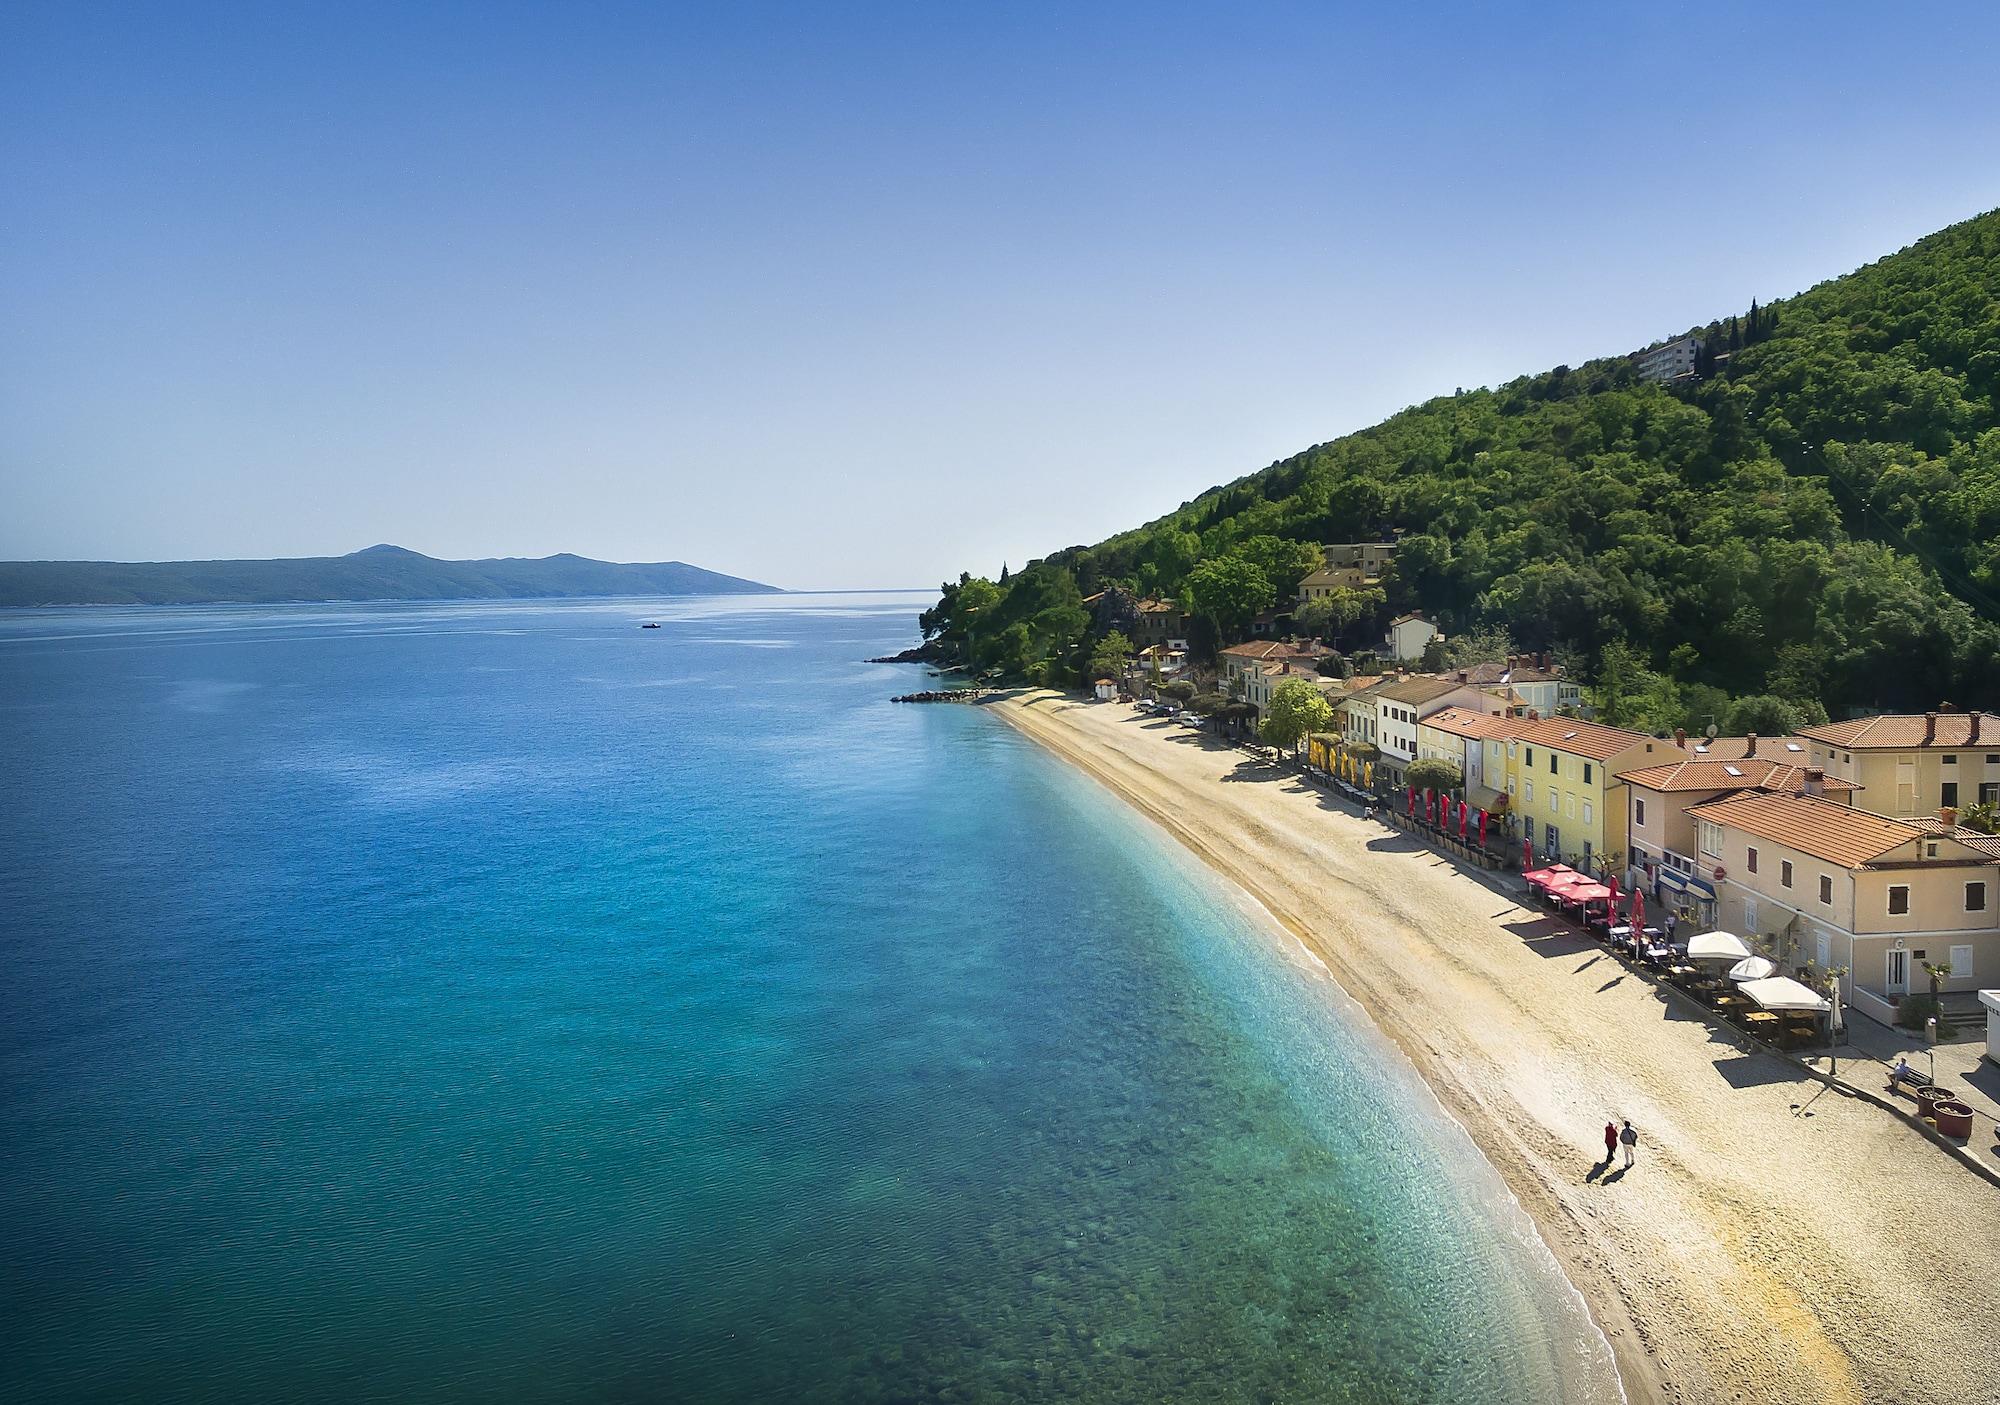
[944, 695]
[923, 653]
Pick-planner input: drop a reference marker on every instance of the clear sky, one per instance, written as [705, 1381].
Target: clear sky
[852, 295]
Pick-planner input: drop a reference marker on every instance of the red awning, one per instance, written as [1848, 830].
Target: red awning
[1542, 877]
[1586, 892]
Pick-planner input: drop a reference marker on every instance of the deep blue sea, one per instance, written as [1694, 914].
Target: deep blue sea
[503, 1002]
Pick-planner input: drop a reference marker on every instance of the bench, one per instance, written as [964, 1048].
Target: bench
[1908, 1082]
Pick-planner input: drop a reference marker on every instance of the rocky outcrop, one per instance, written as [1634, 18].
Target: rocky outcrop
[927, 652]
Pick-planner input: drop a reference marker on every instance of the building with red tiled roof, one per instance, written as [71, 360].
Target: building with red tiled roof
[1821, 883]
[1661, 834]
[1912, 763]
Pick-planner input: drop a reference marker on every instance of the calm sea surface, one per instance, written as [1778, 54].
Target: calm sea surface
[503, 1002]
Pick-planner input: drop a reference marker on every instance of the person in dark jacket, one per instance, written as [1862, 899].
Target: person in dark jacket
[1610, 1142]
[1628, 1138]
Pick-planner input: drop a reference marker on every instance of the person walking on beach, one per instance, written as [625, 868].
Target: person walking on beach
[1610, 1142]
[1629, 1138]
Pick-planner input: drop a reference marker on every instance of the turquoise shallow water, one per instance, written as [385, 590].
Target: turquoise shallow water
[503, 1002]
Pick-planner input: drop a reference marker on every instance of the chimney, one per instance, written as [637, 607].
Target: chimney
[1750, 746]
[1534, 714]
[1972, 737]
[1681, 738]
[1930, 728]
[1542, 659]
[1815, 781]
[1511, 661]
[1975, 726]
[1948, 815]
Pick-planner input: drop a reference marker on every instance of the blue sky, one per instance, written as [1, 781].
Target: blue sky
[849, 295]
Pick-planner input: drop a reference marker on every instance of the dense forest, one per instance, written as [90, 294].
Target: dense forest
[1812, 520]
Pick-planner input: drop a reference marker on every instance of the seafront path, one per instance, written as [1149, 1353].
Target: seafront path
[1777, 1241]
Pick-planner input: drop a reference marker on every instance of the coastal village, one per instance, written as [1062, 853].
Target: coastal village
[1837, 888]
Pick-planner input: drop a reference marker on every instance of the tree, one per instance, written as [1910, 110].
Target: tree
[1297, 710]
[1284, 563]
[1984, 817]
[1433, 773]
[1763, 714]
[1229, 591]
[1331, 615]
[1108, 659]
[1207, 704]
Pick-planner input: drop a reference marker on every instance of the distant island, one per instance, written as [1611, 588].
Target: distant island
[378, 573]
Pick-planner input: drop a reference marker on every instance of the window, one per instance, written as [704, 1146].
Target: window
[1826, 889]
[1529, 757]
[1948, 794]
[1975, 897]
[1750, 858]
[1951, 760]
[1638, 810]
[1586, 773]
[1552, 764]
[1899, 899]
[1989, 791]
[1527, 792]
[1785, 876]
[1586, 812]
[1554, 801]
[1961, 961]
[1510, 785]
[1569, 806]
[1750, 916]
[1709, 837]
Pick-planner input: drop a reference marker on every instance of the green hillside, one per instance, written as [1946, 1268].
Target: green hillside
[1818, 518]
[378, 573]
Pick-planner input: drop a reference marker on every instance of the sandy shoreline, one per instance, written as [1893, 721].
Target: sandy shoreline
[1772, 1236]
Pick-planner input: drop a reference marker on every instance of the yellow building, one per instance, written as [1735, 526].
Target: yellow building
[1561, 778]
[1911, 764]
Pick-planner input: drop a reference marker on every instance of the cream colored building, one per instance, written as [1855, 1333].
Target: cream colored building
[1408, 634]
[1460, 735]
[1832, 886]
[1912, 763]
[1347, 566]
[1660, 834]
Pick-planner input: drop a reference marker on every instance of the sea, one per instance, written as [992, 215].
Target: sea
[502, 1001]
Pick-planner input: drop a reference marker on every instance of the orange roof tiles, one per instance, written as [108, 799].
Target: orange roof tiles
[1464, 722]
[1904, 731]
[1273, 649]
[1727, 775]
[1588, 739]
[1826, 830]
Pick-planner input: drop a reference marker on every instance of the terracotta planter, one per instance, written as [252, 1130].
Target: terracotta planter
[1953, 1119]
[1933, 1094]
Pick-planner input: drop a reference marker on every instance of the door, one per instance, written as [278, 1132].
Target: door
[1898, 981]
[1961, 962]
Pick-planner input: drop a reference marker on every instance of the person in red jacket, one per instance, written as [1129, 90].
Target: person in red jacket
[1610, 1142]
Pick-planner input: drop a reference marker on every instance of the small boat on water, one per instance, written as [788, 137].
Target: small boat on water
[649, 626]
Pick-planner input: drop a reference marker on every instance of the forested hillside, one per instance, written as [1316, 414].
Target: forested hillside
[1818, 518]
[377, 573]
